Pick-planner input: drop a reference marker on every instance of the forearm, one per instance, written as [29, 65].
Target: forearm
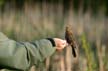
[22, 55]
[39, 50]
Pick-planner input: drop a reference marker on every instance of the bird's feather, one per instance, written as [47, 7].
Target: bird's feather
[70, 39]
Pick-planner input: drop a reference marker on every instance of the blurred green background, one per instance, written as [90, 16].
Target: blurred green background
[28, 20]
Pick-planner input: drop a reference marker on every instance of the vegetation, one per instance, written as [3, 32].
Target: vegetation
[91, 63]
[93, 5]
[48, 19]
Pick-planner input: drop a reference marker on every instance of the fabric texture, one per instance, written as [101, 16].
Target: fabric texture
[22, 55]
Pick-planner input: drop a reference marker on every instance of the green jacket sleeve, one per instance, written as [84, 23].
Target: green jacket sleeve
[22, 55]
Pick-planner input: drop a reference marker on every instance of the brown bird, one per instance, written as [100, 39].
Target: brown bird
[70, 39]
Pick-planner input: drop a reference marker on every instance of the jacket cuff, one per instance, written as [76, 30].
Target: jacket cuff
[52, 41]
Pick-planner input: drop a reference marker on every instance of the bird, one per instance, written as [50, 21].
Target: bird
[70, 39]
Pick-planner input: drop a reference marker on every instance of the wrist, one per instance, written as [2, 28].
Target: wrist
[52, 41]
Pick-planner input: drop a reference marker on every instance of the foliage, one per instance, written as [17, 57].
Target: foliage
[88, 53]
[93, 5]
[2, 2]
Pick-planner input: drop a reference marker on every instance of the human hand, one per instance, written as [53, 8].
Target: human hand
[60, 44]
